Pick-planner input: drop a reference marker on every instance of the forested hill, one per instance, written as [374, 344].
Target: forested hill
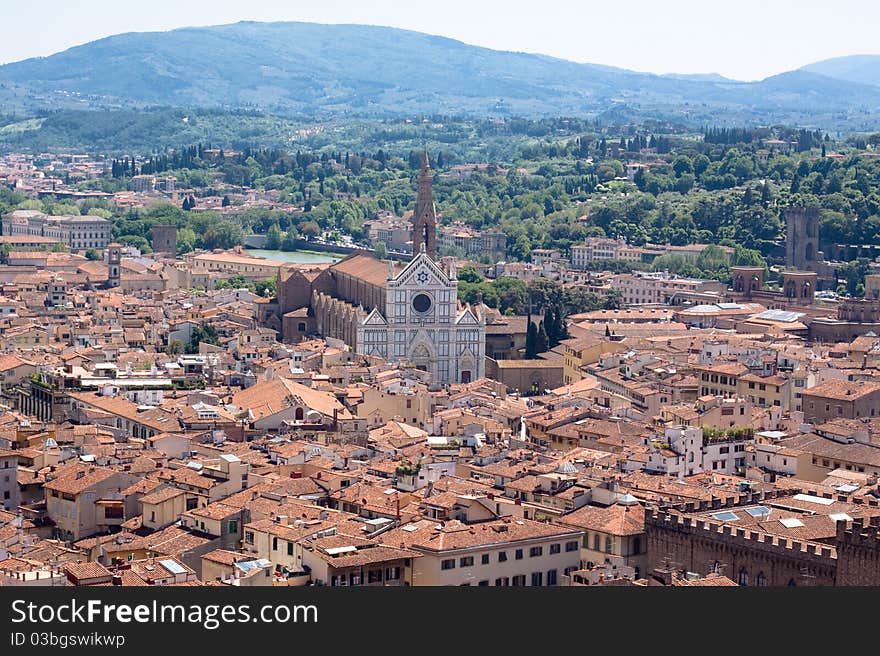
[306, 68]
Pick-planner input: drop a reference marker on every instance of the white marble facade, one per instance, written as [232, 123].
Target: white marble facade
[424, 326]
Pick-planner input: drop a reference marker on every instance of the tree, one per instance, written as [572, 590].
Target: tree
[206, 334]
[531, 340]
[379, 250]
[542, 342]
[265, 287]
[310, 229]
[175, 347]
[186, 240]
[274, 237]
[613, 300]
[853, 273]
[712, 258]
[93, 255]
[469, 274]
[224, 234]
[766, 194]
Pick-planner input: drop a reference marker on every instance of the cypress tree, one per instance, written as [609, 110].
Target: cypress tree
[531, 340]
[542, 344]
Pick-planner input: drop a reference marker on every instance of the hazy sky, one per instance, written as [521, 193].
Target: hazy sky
[743, 39]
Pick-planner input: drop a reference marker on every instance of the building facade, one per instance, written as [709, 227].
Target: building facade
[76, 232]
[423, 324]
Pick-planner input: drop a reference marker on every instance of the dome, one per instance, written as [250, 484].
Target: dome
[628, 500]
[566, 468]
[50, 443]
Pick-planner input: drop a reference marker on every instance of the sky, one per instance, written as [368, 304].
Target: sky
[742, 39]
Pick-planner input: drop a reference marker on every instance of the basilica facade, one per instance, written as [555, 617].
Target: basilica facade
[424, 325]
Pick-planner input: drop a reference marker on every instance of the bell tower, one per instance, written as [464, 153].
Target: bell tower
[424, 221]
[114, 264]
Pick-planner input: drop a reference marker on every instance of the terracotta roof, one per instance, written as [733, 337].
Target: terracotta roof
[82, 571]
[77, 477]
[613, 520]
[272, 396]
[161, 495]
[364, 267]
[843, 390]
[430, 536]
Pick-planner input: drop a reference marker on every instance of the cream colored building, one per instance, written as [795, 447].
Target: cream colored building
[502, 552]
[84, 499]
[612, 531]
[230, 262]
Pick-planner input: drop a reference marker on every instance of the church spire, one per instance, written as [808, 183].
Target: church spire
[424, 234]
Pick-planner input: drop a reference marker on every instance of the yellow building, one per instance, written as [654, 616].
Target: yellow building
[84, 499]
[253, 268]
[579, 353]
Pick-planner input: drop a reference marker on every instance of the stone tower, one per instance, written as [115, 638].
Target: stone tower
[114, 264]
[165, 239]
[424, 221]
[802, 238]
[747, 279]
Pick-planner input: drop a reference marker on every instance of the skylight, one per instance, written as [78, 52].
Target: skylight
[813, 499]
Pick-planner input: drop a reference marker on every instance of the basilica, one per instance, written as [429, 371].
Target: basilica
[407, 314]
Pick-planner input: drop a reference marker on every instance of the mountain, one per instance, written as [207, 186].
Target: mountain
[294, 69]
[864, 69]
[701, 77]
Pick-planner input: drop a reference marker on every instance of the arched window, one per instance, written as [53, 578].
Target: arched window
[596, 546]
[791, 583]
[608, 544]
[299, 414]
[760, 579]
[743, 577]
[716, 567]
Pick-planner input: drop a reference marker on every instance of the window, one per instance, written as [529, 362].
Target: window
[608, 544]
[537, 578]
[290, 548]
[555, 548]
[551, 577]
[392, 573]
[743, 577]
[466, 561]
[421, 303]
[448, 564]
[502, 582]
[502, 556]
[274, 544]
[484, 559]
[110, 512]
[760, 579]
[483, 584]
[249, 537]
[534, 552]
[233, 526]
[518, 554]
[374, 576]
[572, 545]
[596, 545]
